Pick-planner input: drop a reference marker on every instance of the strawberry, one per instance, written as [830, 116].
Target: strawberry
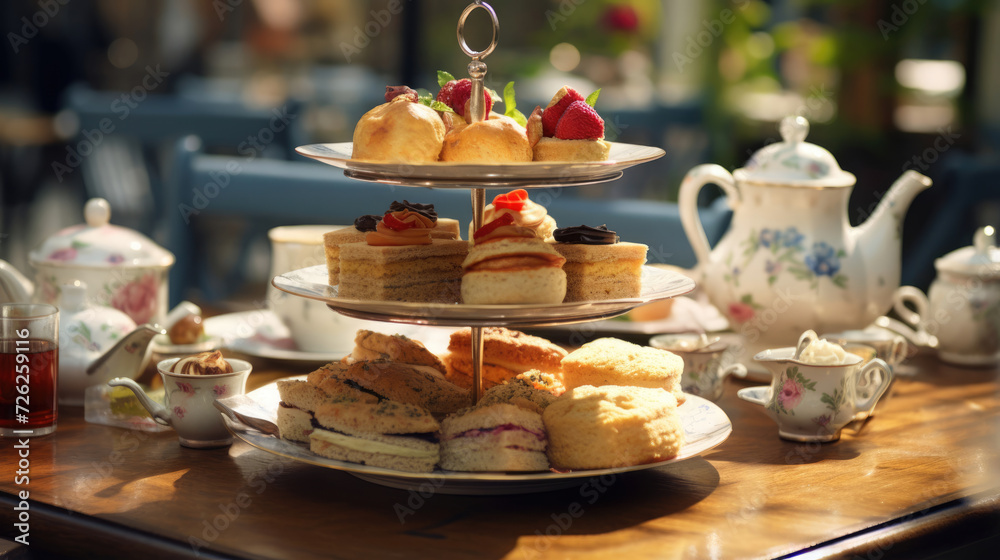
[580, 122]
[456, 93]
[513, 200]
[552, 113]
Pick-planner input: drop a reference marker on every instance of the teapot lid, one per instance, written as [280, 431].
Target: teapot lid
[981, 259]
[98, 243]
[794, 162]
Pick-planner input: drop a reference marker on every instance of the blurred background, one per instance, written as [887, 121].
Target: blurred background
[94, 95]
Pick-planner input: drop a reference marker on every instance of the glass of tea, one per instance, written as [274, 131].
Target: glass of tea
[29, 365]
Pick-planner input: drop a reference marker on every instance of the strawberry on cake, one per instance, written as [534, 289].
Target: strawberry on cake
[568, 129]
[498, 138]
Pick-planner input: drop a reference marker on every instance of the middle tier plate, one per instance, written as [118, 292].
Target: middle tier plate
[311, 283]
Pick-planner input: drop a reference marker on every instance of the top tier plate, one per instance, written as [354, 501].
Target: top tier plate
[465, 175]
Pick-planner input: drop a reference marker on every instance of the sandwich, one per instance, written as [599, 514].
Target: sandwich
[498, 437]
[386, 434]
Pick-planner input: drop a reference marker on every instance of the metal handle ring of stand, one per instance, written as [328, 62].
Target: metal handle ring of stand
[477, 113]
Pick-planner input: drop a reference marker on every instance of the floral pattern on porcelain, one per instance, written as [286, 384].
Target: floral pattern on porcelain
[139, 293]
[792, 387]
[785, 251]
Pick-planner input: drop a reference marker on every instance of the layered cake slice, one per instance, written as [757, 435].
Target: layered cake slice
[598, 265]
[401, 261]
[444, 228]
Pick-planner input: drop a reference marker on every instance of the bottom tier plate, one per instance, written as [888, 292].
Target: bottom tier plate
[705, 427]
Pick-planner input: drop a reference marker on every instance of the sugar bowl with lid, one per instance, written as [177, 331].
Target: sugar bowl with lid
[121, 267]
[962, 307]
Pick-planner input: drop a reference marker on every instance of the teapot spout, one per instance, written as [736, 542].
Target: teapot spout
[888, 215]
[14, 286]
[126, 357]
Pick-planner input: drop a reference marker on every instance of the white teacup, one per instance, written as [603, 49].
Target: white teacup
[962, 316]
[190, 402]
[812, 403]
[313, 326]
[706, 363]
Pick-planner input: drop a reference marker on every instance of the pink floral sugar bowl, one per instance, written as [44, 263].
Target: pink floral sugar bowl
[122, 268]
[811, 400]
[190, 400]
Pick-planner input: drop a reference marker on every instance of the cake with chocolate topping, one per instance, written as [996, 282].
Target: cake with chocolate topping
[598, 265]
[403, 260]
[445, 228]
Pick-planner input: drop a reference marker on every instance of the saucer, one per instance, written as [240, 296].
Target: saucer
[261, 334]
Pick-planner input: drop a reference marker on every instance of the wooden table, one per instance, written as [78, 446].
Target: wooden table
[921, 477]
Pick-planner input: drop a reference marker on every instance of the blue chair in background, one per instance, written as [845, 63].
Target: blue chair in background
[296, 192]
[125, 139]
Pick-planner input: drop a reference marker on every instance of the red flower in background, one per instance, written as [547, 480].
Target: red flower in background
[621, 17]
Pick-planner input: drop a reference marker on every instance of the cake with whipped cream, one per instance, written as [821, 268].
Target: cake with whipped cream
[445, 228]
[599, 265]
[402, 261]
[525, 212]
[511, 264]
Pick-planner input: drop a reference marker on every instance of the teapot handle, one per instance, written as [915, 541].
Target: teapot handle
[688, 202]
[868, 373]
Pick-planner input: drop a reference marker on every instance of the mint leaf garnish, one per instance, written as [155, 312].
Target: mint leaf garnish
[510, 103]
[444, 78]
[592, 98]
[439, 106]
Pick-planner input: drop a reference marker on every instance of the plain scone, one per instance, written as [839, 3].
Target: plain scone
[607, 427]
[612, 361]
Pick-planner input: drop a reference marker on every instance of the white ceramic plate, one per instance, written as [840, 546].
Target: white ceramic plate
[311, 283]
[464, 175]
[705, 427]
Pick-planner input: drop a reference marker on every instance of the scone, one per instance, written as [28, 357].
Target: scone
[612, 361]
[532, 390]
[568, 129]
[401, 130]
[372, 346]
[598, 265]
[498, 139]
[607, 427]
[509, 265]
[506, 353]
[494, 438]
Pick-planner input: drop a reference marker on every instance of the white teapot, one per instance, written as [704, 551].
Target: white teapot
[790, 261]
[961, 311]
[96, 344]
